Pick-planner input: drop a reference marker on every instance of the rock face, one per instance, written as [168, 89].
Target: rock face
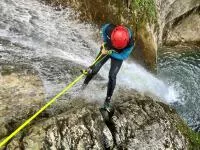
[21, 93]
[138, 122]
[186, 31]
[178, 21]
[142, 123]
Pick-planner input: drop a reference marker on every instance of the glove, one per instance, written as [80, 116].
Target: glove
[110, 52]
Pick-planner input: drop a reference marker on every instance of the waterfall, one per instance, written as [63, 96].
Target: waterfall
[39, 35]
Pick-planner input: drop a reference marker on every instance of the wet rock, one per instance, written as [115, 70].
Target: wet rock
[78, 128]
[21, 93]
[142, 123]
[139, 122]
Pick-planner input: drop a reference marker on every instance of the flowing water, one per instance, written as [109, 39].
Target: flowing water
[57, 46]
[180, 68]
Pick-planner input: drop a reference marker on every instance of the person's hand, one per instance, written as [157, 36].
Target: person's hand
[104, 52]
[110, 52]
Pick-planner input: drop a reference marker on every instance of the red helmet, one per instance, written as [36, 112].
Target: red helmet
[120, 37]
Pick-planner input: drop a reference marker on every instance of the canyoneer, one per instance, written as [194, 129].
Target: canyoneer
[117, 45]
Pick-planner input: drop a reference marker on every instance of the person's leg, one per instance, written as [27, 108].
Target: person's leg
[115, 67]
[95, 69]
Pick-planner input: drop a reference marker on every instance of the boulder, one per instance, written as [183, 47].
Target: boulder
[139, 122]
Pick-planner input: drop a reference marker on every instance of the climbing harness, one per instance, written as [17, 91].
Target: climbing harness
[84, 72]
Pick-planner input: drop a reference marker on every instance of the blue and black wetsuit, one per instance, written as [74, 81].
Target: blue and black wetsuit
[116, 58]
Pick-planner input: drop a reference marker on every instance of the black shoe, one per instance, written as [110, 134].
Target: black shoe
[107, 105]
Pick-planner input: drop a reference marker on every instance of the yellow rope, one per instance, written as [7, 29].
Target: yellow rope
[46, 105]
[41, 110]
[96, 59]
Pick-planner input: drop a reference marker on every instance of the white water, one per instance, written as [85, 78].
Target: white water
[38, 31]
[136, 77]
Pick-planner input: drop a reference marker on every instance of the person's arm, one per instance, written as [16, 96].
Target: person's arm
[124, 54]
[102, 32]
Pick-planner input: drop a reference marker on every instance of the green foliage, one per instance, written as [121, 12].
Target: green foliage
[193, 137]
[100, 11]
[145, 10]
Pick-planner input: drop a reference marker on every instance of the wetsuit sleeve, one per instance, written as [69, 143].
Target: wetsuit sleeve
[103, 32]
[124, 54]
